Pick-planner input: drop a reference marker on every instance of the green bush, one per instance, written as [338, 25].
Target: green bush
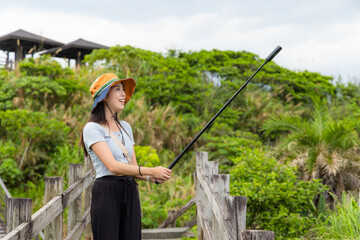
[146, 156]
[276, 199]
[43, 66]
[35, 136]
[9, 172]
[223, 143]
[33, 190]
[60, 160]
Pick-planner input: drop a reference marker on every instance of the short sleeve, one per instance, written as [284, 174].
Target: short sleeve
[93, 133]
[128, 129]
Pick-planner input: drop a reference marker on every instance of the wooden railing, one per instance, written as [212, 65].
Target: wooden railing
[22, 225]
[4, 195]
[219, 215]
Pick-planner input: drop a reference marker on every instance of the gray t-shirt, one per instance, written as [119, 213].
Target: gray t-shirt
[94, 133]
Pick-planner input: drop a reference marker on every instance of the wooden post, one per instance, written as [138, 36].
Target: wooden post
[199, 194]
[18, 211]
[257, 234]
[235, 211]
[171, 214]
[54, 186]
[17, 51]
[87, 197]
[221, 187]
[78, 59]
[74, 210]
[7, 61]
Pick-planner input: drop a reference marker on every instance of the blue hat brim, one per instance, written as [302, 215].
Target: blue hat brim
[100, 97]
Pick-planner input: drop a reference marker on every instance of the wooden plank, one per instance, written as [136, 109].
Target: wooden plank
[205, 226]
[18, 233]
[76, 189]
[3, 186]
[50, 210]
[54, 186]
[236, 213]
[19, 211]
[164, 233]
[45, 215]
[178, 213]
[80, 226]
[220, 187]
[191, 223]
[218, 209]
[74, 209]
[257, 235]
[87, 195]
[199, 192]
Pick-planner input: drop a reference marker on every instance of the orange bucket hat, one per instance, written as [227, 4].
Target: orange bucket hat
[100, 87]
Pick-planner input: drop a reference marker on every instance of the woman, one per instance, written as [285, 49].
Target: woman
[115, 206]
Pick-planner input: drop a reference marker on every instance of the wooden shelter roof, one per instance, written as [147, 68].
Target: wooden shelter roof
[75, 49]
[27, 40]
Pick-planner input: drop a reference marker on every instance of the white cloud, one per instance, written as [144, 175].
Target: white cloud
[328, 48]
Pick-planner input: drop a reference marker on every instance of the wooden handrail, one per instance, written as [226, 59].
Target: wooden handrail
[219, 215]
[4, 188]
[45, 215]
[178, 213]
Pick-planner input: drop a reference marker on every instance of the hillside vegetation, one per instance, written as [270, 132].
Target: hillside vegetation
[289, 140]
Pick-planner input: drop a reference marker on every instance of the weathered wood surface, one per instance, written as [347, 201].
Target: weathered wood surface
[77, 188]
[4, 196]
[257, 235]
[2, 229]
[87, 195]
[4, 188]
[176, 214]
[45, 215]
[20, 209]
[191, 223]
[219, 215]
[54, 186]
[80, 226]
[74, 209]
[213, 209]
[165, 233]
[21, 212]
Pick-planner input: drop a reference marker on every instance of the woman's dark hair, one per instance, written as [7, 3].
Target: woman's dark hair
[97, 116]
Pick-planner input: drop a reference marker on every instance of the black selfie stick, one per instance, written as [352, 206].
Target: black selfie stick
[268, 59]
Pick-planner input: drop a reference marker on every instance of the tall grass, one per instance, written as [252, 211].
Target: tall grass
[342, 223]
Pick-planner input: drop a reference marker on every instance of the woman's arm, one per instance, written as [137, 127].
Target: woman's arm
[102, 150]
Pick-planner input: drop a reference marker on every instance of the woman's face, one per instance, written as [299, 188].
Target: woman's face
[116, 97]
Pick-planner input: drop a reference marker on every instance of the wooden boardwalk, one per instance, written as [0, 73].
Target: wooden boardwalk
[4, 195]
[2, 228]
[219, 215]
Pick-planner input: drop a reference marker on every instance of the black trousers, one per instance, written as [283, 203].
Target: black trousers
[115, 209]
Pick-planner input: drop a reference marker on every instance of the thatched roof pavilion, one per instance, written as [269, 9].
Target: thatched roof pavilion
[22, 42]
[75, 50]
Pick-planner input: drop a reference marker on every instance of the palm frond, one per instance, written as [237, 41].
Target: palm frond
[311, 161]
[283, 123]
[320, 119]
[341, 135]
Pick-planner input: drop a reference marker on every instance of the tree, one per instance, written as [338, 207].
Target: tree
[320, 147]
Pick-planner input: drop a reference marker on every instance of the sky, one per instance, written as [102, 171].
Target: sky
[316, 35]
